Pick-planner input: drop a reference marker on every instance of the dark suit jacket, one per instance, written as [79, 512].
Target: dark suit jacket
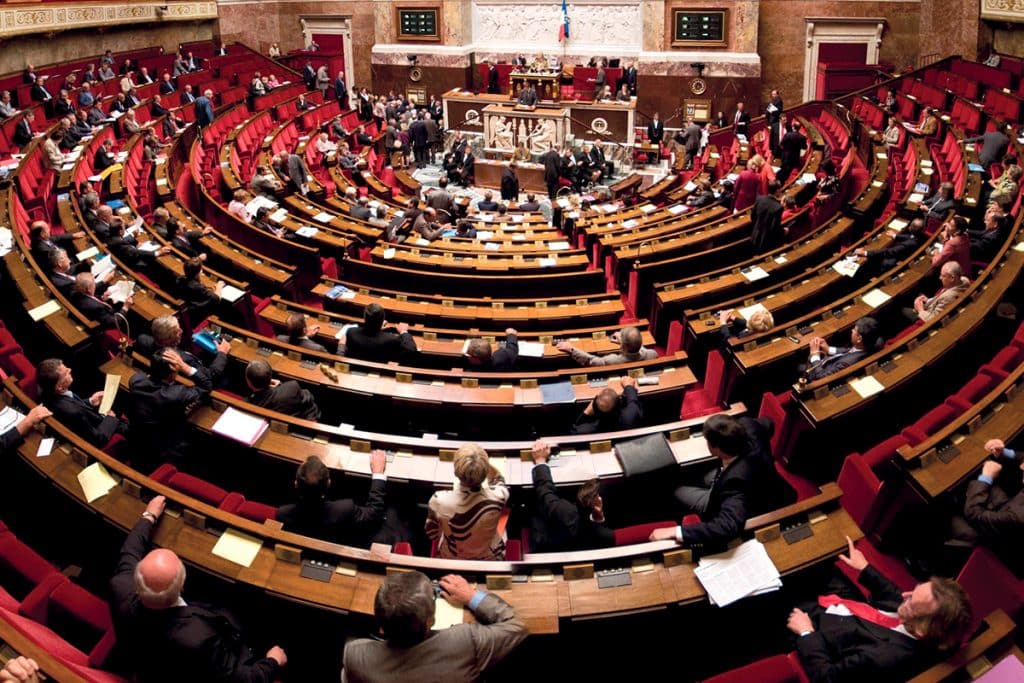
[129, 254]
[166, 87]
[829, 365]
[504, 359]
[552, 162]
[96, 309]
[741, 124]
[509, 184]
[655, 131]
[288, 398]
[767, 218]
[381, 347]
[492, 80]
[204, 111]
[628, 416]
[848, 649]
[22, 133]
[559, 524]
[340, 521]
[793, 144]
[997, 518]
[181, 643]
[77, 415]
[484, 205]
[157, 415]
[305, 343]
[747, 487]
[12, 438]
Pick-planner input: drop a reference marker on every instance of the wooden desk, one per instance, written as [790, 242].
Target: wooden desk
[487, 173]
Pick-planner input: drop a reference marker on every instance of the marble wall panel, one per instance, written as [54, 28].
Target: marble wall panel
[436, 80]
[665, 94]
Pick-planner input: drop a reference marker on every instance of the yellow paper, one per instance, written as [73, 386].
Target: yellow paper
[41, 311]
[346, 569]
[643, 567]
[867, 386]
[237, 547]
[446, 615]
[96, 481]
[110, 387]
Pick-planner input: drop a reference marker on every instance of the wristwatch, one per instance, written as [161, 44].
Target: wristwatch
[150, 516]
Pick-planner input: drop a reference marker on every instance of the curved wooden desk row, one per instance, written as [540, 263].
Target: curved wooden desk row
[905, 359]
[956, 451]
[557, 585]
[444, 348]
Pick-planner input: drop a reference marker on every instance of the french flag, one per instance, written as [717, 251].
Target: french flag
[563, 30]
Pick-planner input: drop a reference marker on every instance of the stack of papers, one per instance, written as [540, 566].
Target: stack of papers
[546, 262]
[755, 273]
[240, 426]
[43, 310]
[558, 246]
[8, 418]
[677, 209]
[120, 291]
[279, 216]
[231, 294]
[237, 547]
[307, 231]
[101, 266]
[96, 481]
[738, 573]
[323, 217]
[531, 350]
[847, 266]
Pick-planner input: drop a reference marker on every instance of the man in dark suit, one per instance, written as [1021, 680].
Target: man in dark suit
[124, 248]
[466, 168]
[284, 397]
[826, 360]
[492, 78]
[611, 411]
[552, 165]
[74, 412]
[370, 341]
[158, 409]
[559, 525]
[420, 142]
[440, 199]
[41, 243]
[994, 509]
[628, 78]
[299, 331]
[166, 84]
[891, 637]
[744, 485]
[361, 209]
[23, 132]
[84, 297]
[163, 637]
[309, 75]
[773, 117]
[994, 144]
[338, 521]
[13, 436]
[186, 96]
[792, 148]
[740, 120]
[510, 183]
[903, 244]
[691, 142]
[655, 134]
[531, 203]
[165, 342]
[39, 92]
[60, 271]
[341, 91]
[766, 216]
[480, 357]
[204, 109]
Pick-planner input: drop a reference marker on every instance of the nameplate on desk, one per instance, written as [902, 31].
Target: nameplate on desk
[577, 572]
[578, 379]
[528, 384]
[359, 446]
[614, 578]
[446, 454]
[287, 553]
[600, 446]
[498, 582]
[674, 558]
[679, 435]
[278, 427]
[470, 382]
[798, 533]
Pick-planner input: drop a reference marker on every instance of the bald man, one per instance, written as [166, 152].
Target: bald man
[164, 638]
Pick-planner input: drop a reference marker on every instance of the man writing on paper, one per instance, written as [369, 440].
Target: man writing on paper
[166, 638]
[74, 412]
[632, 350]
[744, 485]
[404, 608]
[894, 635]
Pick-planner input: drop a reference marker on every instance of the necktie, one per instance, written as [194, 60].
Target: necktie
[862, 610]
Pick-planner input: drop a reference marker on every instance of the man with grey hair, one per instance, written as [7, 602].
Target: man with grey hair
[404, 608]
[165, 342]
[954, 284]
[165, 638]
[632, 350]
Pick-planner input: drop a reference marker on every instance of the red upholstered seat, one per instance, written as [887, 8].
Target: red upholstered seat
[990, 586]
[22, 570]
[931, 422]
[210, 494]
[977, 387]
[708, 396]
[775, 669]
[883, 452]
[81, 619]
[639, 533]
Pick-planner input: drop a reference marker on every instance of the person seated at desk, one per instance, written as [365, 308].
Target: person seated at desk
[1006, 185]
[940, 203]
[200, 299]
[558, 525]
[893, 132]
[163, 636]
[42, 242]
[105, 157]
[284, 397]
[404, 607]
[465, 229]
[84, 297]
[531, 203]
[346, 160]
[125, 250]
[465, 521]
[603, 94]
[78, 414]
[187, 242]
[7, 110]
[955, 245]
[539, 63]
[480, 357]
[324, 145]
[487, 203]
[370, 341]
[993, 513]
[426, 225]
[986, 242]
[165, 340]
[60, 271]
[521, 152]
[264, 183]
[827, 360]
[903, 244]
[745, 484]
[893, 636]
[300, 331]
[53, 157]
[262, 221]
[611, 410]
[631, 344]
[702, 195]
[237, 206]
[14, 436]
[928, 125]
[732, 325]
[953, 286]
[528, 95]
[158, 409]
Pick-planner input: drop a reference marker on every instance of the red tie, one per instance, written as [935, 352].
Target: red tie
[862, 610]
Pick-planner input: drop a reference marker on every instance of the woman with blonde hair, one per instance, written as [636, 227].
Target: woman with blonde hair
[464, 521]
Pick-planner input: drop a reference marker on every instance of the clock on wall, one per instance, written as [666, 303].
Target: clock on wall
[698, 86]
[415, 74]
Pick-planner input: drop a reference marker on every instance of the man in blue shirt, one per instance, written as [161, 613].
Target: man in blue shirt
[994, 507]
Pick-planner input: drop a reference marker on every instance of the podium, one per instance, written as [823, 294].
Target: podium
[547, 84]
[505, 127]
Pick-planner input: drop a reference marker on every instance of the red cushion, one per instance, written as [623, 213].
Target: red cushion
[975, 389]
[21, 568]
[990, 585]
[883, 452]
[860, 489]
[775, 669]
[210, 494]
[639, 533]
[45, 638]
[257, 512]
